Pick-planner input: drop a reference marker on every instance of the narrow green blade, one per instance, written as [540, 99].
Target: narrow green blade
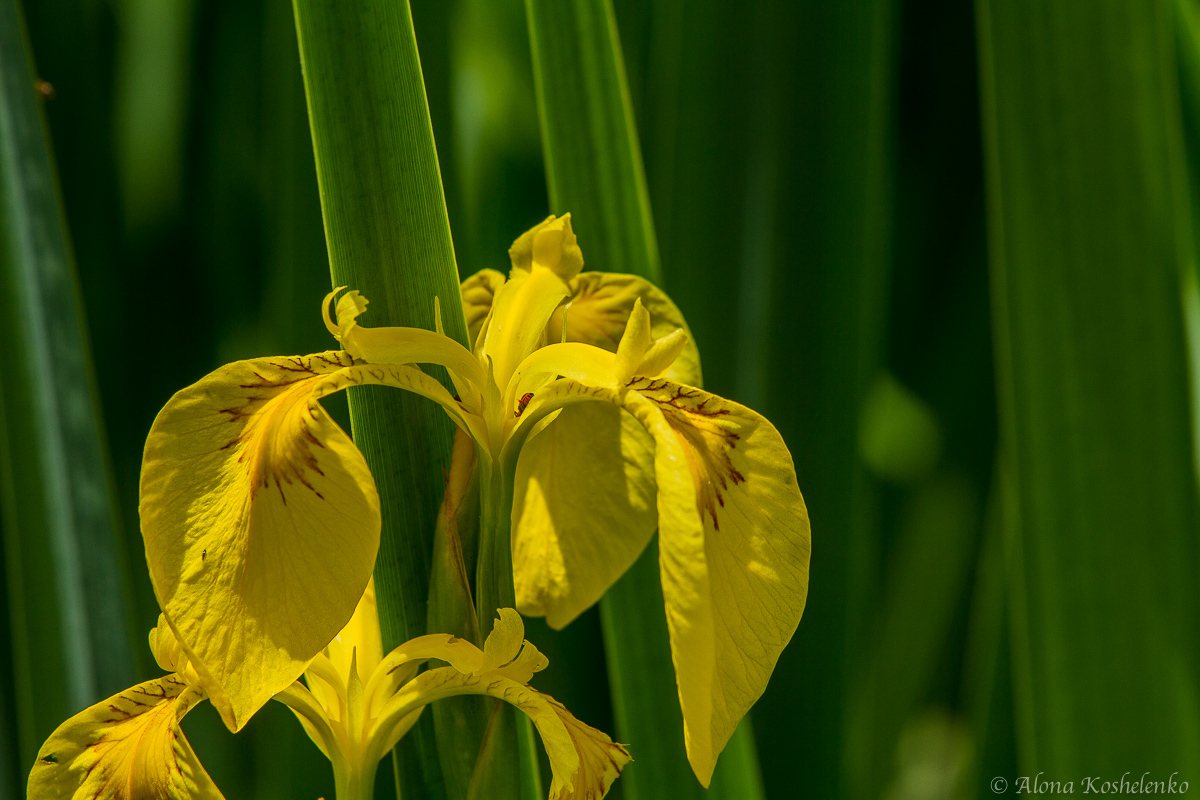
[642, 680]
[594, 171]
[593, 159]
[1090, 233]
[67, 596]
[11, 776]
[497, 149]
[928, 569]
[986, 676]
[388, 236]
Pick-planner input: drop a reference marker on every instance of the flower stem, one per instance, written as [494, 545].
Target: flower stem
[355, 784]
[515, 760]
[494, 572]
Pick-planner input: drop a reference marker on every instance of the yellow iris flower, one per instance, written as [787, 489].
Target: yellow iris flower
[580, 392]
[131, 746]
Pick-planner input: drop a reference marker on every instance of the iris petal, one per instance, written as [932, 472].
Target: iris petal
[261, 518]
[127, 747]
[733, 546]
[583, 509]
[598, 311]
[733, 554]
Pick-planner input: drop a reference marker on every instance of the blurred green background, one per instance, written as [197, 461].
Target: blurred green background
[817, 181]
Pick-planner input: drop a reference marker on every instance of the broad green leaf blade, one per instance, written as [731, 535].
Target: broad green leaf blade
[433, 22]
[700, 70]
[1090, 233]
[388, 237]
[594, 171]
[460, 723]
[67, 597]
[816, 288]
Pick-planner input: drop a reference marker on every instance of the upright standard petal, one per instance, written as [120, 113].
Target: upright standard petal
[261, 523]
[517, 325]
[128, 747]
[550, 244]
[733, 553]
[545, 260]
[598, 312]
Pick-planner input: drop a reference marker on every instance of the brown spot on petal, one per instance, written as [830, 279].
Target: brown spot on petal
[270, 405]
[707, 436]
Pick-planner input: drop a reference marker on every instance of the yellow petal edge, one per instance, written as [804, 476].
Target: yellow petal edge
[734, 548]
[261, 519]
[128, 747]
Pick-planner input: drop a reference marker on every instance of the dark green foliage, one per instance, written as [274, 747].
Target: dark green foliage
[1091, 237]
[813, 199]
[67, 599]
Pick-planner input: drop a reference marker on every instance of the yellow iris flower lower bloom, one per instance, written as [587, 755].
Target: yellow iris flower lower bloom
[356, 706]
[580, 392]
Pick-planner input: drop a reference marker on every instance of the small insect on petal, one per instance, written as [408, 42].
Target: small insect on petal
[523, 402]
